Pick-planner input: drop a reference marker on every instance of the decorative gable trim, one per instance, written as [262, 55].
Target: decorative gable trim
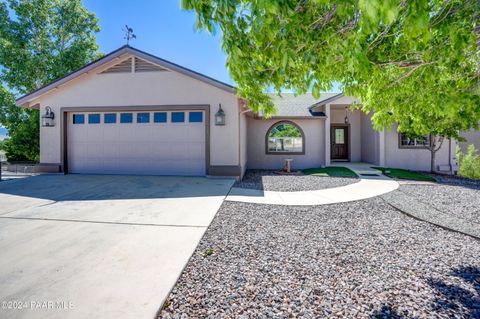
[122, 67]
[28, 99]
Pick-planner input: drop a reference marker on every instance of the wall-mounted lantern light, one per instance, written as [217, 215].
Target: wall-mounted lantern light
[220, 116]
[48, 118]
[346, 115]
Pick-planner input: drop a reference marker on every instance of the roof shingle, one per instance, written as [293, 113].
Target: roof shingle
[291, 105]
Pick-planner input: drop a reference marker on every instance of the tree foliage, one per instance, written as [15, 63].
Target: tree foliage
[415, 63]
[469, 162]
[40, 41]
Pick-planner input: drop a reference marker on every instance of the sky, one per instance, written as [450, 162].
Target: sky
[162, 29]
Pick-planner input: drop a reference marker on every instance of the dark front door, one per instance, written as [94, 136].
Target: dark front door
[339, 142]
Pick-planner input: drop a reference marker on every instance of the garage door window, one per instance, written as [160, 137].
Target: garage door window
[110, 118]
[143, 117]
[126, 118]
[178, 117]
[93, 118]
[160, 117]
[78, 119]
[195, 117]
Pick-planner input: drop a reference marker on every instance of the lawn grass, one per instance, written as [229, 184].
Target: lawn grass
[332, 171]
[405, 174]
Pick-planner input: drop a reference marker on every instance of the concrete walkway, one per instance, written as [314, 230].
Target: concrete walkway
[372, 183]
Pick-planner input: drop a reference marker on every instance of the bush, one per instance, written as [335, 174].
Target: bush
[469, 162]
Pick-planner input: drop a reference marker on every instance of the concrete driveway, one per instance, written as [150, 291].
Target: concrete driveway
[80, 246]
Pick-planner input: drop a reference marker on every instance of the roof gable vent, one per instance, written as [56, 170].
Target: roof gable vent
[122, 67]
[144, 66]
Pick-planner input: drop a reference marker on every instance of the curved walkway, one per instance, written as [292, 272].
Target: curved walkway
[369, 186]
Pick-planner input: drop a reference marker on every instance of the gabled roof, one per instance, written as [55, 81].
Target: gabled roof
[291, 105]
[117, 53]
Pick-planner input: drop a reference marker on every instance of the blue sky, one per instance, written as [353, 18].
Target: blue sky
[163, 29]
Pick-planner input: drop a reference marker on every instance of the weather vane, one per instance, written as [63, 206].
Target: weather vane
[129, 34]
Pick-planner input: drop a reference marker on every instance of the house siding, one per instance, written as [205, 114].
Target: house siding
[370, 141]
[413, 159]
[314, 144]
[143, 89]
[472, 137]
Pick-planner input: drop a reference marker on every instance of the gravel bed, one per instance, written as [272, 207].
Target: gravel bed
[360, 259]
[272, 181]
[455, 196]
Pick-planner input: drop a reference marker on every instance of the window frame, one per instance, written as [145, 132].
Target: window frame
[107, 115]
[140, 116]
[195, 120]
[79, 115]
[126, 113]
[414, 147]
[177, 112]
[91, 115]
[160, 114]
[268, 152]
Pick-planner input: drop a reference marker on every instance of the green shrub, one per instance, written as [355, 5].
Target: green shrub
[469, 162]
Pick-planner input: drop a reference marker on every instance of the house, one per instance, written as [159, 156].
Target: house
[133, 113]
[471, 137]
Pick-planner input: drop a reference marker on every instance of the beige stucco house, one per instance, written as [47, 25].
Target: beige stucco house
[133, 113]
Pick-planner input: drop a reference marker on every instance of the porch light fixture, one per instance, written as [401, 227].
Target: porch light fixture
[48, 117]
[220, 116]
[346, 115]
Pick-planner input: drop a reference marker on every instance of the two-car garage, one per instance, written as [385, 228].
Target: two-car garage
[133, 113]
[158, 141]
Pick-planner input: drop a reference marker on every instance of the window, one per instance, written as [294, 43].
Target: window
[178, 117]
[78, 119]
[143, 117]
[195, 117]
[285, 138]
[126, 117]
[160, 117]
[413, 142]
[93, 118]
[339, 136]
[110, 118]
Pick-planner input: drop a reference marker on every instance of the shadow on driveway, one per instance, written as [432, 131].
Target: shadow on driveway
[108, 187]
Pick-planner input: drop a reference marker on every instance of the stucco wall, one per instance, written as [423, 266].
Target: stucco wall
[473, 137]
[314, 145]
[337, 115]
[414, 159]
[243, 142]
[370, 141]
[143, 89]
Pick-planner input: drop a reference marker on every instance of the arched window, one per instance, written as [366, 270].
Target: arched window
[285, 137]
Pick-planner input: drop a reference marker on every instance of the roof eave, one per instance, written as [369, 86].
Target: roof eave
[25, 100]
[326, 101]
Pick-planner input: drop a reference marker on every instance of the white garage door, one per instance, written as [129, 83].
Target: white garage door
[143, 142]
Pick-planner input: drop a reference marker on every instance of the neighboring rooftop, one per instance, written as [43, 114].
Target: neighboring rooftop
[291, 105]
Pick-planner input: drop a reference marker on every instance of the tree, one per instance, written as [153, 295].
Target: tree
[40, 41]
[410, 62]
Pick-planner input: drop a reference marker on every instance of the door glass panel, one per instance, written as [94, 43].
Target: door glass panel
[339, 136]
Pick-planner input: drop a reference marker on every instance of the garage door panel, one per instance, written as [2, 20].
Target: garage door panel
[136, 148]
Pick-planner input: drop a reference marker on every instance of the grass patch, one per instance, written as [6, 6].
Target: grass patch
[332, 171]
[405, 174]
[208, 252]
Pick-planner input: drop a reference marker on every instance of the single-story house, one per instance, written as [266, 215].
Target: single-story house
[134, 113]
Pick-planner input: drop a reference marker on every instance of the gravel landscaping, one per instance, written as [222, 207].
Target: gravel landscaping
[360, 259]
[455, 196]
[273, 181]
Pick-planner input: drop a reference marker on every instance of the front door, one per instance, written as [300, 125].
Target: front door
[339, 142]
